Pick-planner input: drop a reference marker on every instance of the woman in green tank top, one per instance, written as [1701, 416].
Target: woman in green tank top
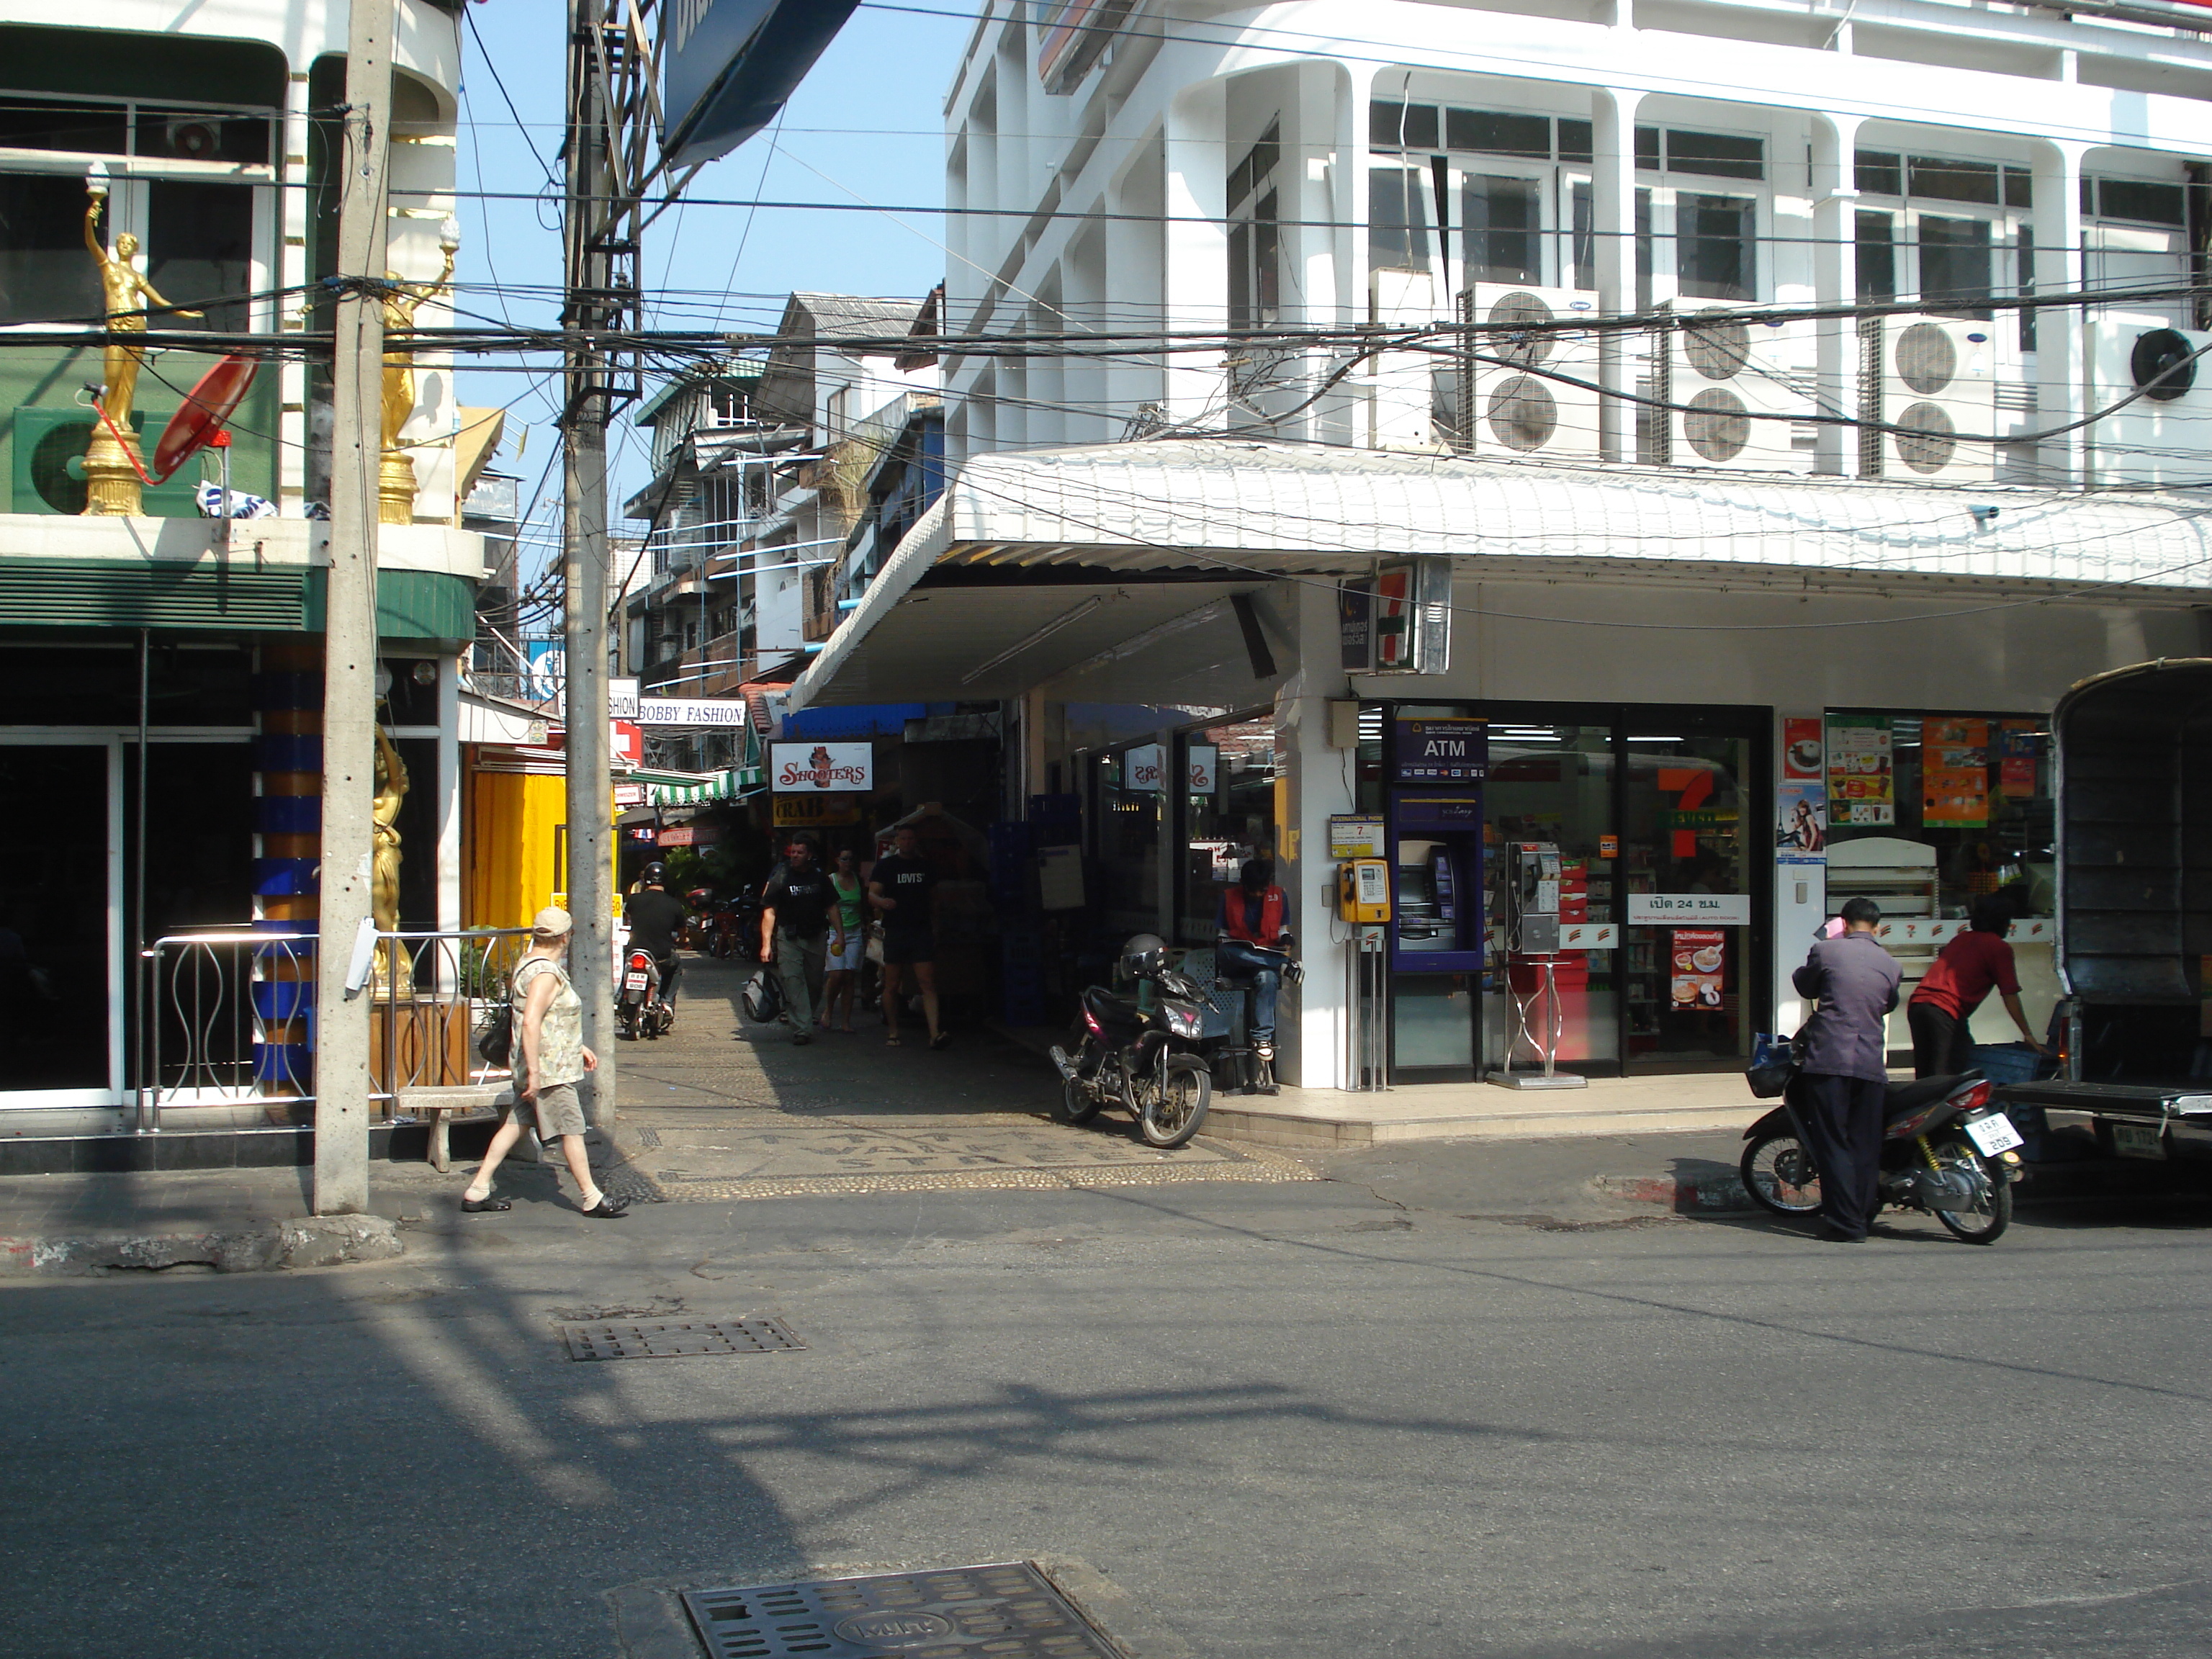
[848, 943]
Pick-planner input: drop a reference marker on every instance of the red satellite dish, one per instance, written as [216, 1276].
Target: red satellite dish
[205, 411]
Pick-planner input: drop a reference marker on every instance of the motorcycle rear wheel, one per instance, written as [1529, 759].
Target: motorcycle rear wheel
[1778, 1174]
[1078, 1103]
[1170, 1110]
[1986, 1222]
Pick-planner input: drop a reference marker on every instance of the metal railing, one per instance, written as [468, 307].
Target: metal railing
[228, 1017]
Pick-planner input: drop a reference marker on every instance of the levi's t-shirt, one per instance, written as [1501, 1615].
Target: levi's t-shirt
[908, 881]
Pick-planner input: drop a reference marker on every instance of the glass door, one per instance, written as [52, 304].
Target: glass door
[60, 909]
[1696, 898]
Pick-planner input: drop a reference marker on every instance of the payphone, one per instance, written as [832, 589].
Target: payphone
[1363, 890]
[1532, 898]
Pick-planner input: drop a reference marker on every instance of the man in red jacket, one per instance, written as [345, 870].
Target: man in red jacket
[1250, 942]
[1963, 974]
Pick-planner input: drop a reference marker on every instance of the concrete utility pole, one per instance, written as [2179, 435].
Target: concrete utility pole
[591, 303]
[342, 1037]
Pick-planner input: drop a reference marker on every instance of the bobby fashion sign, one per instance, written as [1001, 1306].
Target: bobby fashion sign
[820, 767]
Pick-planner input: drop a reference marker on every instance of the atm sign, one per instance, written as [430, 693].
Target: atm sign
[1441, 751]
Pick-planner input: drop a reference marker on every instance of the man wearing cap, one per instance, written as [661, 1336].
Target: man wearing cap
[1844, 1071]
[549, 1060]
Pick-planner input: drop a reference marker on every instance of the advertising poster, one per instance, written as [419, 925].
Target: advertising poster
[1699, 961]
[1800, 823]
[1801, 749]
[1141, 769]
[804, 768]
[1862, 770]
[1355, 625]
[1955, 773]
[2019, 747]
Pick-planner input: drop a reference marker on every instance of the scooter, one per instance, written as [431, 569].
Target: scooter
[642, 1011]
[1144, 1053]
[1946, 1151]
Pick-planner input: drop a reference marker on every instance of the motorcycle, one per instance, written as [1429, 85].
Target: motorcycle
[1946, 1151]
[642, 1011]
[1143, 1053]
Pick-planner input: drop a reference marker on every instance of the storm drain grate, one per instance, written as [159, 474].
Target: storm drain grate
[1008, 1611]
[622, 1339]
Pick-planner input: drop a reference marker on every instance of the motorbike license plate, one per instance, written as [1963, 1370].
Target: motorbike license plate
[1994, 1134]
[2138, 1141]
[634, 982]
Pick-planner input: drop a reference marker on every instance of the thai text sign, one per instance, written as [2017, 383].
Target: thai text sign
[1707, 909]
[798, 768]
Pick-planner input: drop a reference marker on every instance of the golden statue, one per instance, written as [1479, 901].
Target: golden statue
[384, 867]
[395, 473]
[113, 462]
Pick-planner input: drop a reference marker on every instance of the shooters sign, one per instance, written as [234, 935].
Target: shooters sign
[811, 768]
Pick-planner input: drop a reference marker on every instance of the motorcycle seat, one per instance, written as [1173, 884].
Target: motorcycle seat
[1109, 1009]
[1902, 1098]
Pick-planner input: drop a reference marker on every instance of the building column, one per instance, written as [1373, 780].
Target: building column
[1196, 274]
[1612, 226]
[2058, 334]
[1310, 1032]
[1835, 282]
[1322, 258]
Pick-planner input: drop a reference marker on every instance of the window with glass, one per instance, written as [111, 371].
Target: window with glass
[1127, 826]
[1953, 236]
[1715, 253]
[1255, 235]
[1229, 816]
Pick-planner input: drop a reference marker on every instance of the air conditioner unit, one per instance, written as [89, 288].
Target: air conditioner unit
[2165, 436]
[1719, 373]
[1518, 410]
[1936, 375]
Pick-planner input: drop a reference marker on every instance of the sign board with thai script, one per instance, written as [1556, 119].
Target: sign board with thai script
[796, 769]
[1704, 909]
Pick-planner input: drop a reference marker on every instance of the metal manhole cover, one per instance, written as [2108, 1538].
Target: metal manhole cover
[1006, 1611]
[622, 1339]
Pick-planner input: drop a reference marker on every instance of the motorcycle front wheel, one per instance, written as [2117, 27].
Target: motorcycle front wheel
[1171, 1108]
[1778, 1174]
[1992, 1212]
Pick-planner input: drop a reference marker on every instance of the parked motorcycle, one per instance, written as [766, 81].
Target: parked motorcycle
[642, 1011]
[1142, 1053]
[1946, 1151]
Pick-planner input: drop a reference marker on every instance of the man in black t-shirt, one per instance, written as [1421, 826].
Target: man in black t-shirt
[899, 889]
[656, 918]
[796, 906]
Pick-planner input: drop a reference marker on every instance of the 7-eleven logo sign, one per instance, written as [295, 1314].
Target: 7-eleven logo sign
[1691, 809]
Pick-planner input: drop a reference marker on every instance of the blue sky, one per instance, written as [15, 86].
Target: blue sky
[866, 125]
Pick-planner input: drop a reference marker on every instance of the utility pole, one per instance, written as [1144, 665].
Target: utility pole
[592, 240]
[342, 1036]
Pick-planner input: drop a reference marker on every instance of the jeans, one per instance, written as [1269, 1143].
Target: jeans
[671, 971]
[1264, 969]
[799, 962]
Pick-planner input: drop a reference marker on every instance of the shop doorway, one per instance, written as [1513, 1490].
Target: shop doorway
[60, 921]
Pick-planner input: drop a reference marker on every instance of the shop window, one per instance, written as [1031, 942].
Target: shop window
[1714, 256]
[1491, 132]
[1956, 265]
[1229, 816]
[1397, 219]
[1503, 229]
[199, 251]
[1877, 256]
[45, 274]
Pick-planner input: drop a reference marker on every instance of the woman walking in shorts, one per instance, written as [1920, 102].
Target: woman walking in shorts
[550, 1060]
[848, 939]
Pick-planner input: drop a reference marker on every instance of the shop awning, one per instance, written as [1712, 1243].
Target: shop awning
[700, 788]
[1036, 561]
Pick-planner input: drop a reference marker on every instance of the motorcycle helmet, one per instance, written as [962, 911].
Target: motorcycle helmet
[655, 874]
[1145, 954]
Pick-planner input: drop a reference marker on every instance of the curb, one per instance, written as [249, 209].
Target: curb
[264, 1247]
[1720, 1195]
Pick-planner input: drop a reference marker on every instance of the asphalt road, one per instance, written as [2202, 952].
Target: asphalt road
[1317, 1419]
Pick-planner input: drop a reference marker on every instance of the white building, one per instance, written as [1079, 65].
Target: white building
[1693, 577]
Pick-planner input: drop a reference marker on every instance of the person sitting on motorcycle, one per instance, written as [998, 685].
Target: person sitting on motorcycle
[1252, 942]
[656, 919]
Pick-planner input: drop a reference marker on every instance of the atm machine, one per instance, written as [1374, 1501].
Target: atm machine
[1530, 891]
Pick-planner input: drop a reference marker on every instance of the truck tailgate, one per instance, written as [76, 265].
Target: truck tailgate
[2149, 1102]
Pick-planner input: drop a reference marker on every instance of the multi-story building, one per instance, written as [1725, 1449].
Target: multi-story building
[159, 732]
[1645, 382]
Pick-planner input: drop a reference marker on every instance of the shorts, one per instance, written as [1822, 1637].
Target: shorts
[559, 1111]
[855, 951]
[903, 949]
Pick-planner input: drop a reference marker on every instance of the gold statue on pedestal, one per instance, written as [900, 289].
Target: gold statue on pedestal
[395, 473]
[114, 462]
[393, 961]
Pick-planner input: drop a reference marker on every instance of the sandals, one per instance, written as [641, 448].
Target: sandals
[609, 1208]
[478, 1206]
[940, 1039]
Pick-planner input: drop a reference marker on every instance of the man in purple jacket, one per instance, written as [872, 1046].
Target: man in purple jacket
[1844, 1070]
